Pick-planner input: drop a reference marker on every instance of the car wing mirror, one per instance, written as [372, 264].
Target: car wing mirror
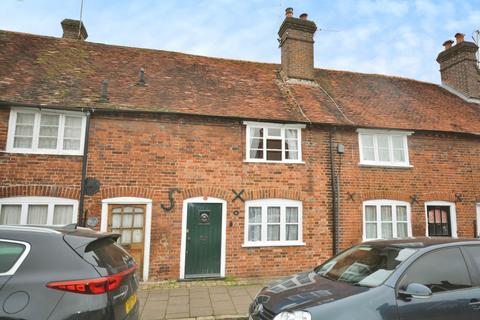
[415, 290]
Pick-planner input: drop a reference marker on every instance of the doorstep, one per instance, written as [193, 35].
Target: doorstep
[202, 282]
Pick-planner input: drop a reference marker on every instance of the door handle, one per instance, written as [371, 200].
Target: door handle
[475, 304]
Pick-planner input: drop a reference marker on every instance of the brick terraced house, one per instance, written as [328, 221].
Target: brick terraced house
[213, 167]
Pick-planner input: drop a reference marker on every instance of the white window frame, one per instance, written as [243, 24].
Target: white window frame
[50, 201]
[265, 126]
[385, 202]
[453, 215]
[283, 204]
[390, 134]
[36, 131]
[20, 260]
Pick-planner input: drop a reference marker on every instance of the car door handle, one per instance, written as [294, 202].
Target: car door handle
[475, 304]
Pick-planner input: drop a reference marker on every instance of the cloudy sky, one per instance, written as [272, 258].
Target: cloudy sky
[401, 37]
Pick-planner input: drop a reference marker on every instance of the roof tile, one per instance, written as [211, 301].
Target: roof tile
[61, 72]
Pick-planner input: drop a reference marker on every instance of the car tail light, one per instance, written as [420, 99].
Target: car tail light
[92, 286]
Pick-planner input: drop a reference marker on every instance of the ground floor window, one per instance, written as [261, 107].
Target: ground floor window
[271, 222]
[441, 219]
[386, 219]
[38, 210]
[439, 224]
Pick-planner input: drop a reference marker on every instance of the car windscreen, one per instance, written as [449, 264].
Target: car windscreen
[10, 252]
[365, 265]
[106, 253]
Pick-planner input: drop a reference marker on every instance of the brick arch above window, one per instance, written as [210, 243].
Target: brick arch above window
[374, 195]
[256, 194]
[40, 191]
[126, 191]
[439, 196]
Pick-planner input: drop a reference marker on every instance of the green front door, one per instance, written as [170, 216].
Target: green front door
[203, 240]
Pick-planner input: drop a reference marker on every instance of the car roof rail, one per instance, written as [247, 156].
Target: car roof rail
[28, 228]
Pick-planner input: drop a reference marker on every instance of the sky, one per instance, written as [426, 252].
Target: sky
[394, 37]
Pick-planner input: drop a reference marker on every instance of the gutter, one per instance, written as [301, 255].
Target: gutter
[334, 185]
[81, 212]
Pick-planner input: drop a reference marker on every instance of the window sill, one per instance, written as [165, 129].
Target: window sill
[283, 162]
[54, 153]
[273, 244]
[384, 165]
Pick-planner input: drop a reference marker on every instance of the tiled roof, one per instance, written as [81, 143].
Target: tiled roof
[60, 72]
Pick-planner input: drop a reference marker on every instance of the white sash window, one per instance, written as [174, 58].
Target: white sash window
[273, 222]
[46, 131]
[38, 211]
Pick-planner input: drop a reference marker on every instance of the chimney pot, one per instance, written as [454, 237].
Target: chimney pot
[74, 29]
[448, 44]
[460, 37]
[304, 16]
[289, 12]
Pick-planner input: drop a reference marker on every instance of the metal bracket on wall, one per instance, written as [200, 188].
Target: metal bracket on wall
[238, 195]
[351, 195]
[458, 197]
[92, 186]
[171, 191]
[414, 199]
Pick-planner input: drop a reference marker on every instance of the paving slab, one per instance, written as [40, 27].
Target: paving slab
[197, 303]
[180, 315]
[179, 292]
[201, 311]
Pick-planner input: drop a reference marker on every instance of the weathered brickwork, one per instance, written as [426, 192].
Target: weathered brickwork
[458, 68]
[204, 157]
[445, 167]
[145, 156]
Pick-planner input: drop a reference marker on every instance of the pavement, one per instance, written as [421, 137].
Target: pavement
[199, 303]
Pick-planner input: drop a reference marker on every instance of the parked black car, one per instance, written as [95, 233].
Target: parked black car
[417, 278]
[65, 273]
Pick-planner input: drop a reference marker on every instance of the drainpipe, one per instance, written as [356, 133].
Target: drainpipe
[334, 184]
[81, 213]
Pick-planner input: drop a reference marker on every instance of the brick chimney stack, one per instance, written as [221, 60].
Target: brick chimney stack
[296, 43]
[458, 66]
[73, 30]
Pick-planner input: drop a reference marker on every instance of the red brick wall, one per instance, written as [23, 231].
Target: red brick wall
[443, 165]
[205, 158]
[37, 170]
[145, 156]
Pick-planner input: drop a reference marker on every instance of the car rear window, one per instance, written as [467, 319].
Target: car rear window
[9, 254]
[106, 253]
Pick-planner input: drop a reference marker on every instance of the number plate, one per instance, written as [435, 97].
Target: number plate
[130, 303]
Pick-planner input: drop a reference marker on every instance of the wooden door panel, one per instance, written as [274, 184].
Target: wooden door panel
[129, 221]
[203, 240]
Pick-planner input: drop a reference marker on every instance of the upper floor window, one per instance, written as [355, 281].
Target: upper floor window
[38, 211]
[384, 148]
[273, 222]
[45, 131]
[386, 219]
[272, 142]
